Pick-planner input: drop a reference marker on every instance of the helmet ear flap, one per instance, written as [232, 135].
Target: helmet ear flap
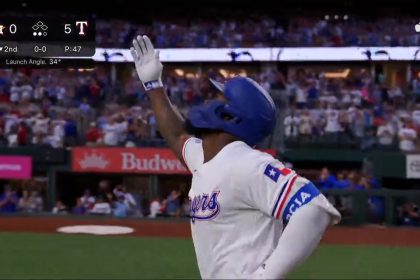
[227, 116]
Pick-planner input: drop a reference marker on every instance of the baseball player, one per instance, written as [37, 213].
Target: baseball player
[251, 217]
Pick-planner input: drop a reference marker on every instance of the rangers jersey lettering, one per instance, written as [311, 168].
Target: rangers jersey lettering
[205, 206]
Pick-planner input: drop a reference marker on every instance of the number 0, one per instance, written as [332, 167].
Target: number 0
[67, 28]
[12, 28]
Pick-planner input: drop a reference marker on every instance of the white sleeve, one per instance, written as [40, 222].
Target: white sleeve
[192, 153]
[278, 192]
[298, 241]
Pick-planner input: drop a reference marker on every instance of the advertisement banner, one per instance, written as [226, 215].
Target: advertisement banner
[15, 167]
[128, 160]
[413, 166]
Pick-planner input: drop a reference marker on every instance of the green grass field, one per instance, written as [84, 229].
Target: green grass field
[49, 256]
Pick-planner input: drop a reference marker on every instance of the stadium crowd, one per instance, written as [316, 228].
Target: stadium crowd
[263, 31]
[351, 180]
[106, 199]
[356, 110]
[407, 213]
[60, 109]
[119, 202]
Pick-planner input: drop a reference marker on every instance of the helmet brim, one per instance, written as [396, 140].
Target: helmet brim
[220, 86]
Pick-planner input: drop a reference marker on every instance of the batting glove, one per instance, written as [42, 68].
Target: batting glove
[148, 65]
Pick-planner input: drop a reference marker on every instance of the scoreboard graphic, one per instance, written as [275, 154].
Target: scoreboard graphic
[36, 41]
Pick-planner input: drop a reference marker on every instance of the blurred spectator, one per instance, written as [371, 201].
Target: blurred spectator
[291, 124]
[120, 207]
[52, 139]
[408, 137]
[139, 199]
[12, 136]
[301, 97]
[342, 181]
[23, 204]
[173, 207]
[409, 215]
[84, 107]
[151, 121]
[38, 139]
[112, 131]
[305, 128]
[87, 200]
[104, 190]
[369, 140]
[353, 180]
[70, 132]
[343, 203]
[8, 201]
[94, 135]
[163, 207]
[36, 202]
[333, 125]
[155, 208]
[101, 207]
[22, 134]
[79, 208]
[128, 198]
[325, 180]
[40, 125]
[385, 135]
[60, 208]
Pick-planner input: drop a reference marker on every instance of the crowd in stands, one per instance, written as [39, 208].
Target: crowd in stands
[348, 180]
[108, 200]
[119, 202]
[45, 107]
[263, 31]
[407, 213]
[58, 108]
[355, 111]
[25, 198]
[354, 180]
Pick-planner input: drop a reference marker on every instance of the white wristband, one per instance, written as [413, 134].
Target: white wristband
[153, 84]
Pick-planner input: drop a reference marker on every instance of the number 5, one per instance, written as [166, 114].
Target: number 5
[67, 28]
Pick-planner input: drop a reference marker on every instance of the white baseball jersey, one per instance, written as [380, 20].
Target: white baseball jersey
[240, 200]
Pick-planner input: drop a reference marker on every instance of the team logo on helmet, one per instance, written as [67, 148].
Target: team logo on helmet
[205, 207]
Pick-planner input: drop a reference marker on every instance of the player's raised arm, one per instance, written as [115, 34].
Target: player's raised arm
[149, 69]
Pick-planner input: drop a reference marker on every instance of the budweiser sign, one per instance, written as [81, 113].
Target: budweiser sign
[128, 160]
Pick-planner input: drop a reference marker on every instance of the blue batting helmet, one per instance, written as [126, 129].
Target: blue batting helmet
[249, 113]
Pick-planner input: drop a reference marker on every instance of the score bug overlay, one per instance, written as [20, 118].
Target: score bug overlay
[36, 37]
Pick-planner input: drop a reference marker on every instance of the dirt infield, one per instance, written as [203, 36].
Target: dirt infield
[181, 229]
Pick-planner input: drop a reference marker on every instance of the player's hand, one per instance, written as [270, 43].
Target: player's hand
[148, 65]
